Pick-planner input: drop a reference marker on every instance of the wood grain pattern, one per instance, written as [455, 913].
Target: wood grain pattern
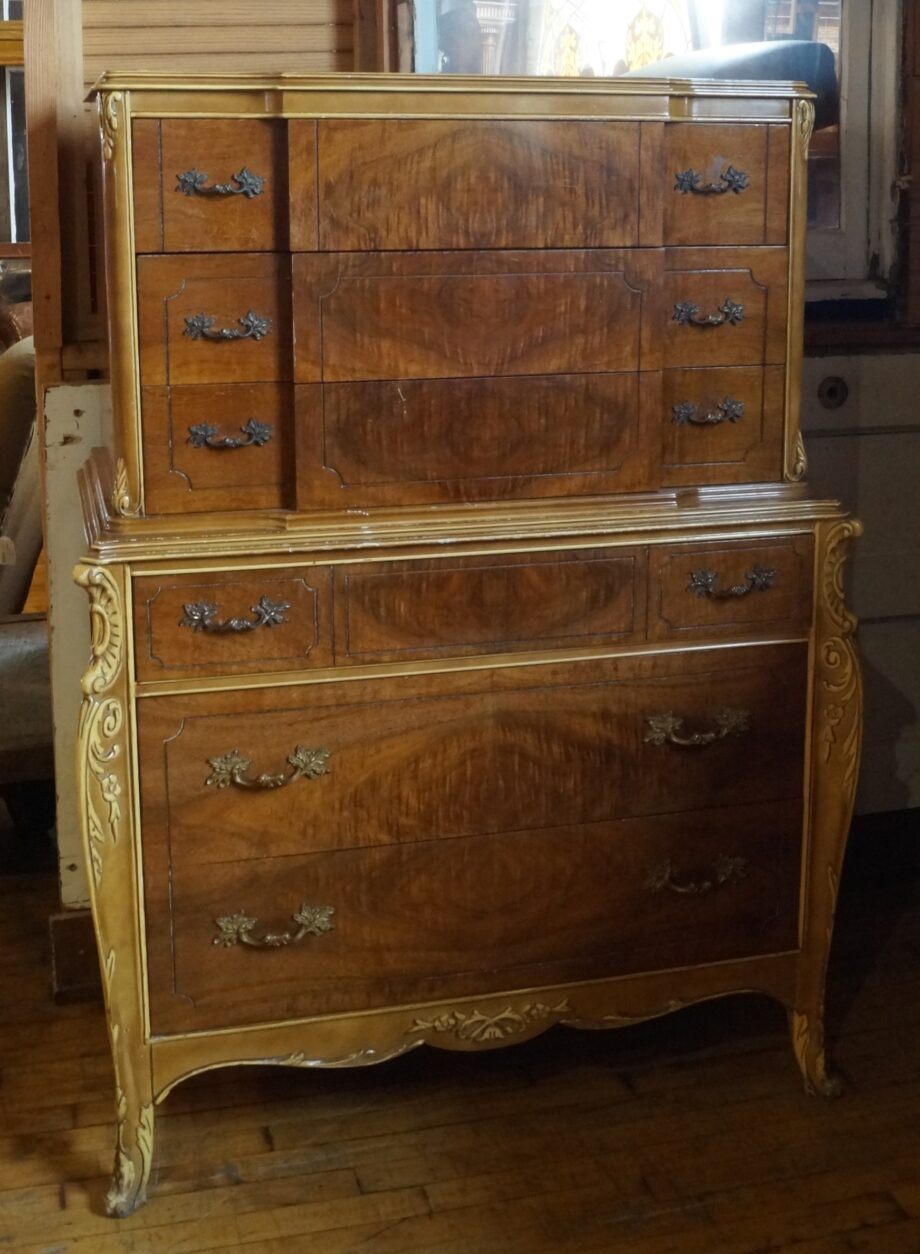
[409, 610]
[431, 184]
[463, 315]
[167, 220]
[678, 612]
[748, 450]
[440, 757]
[164, 648]
[420, 441]
[754, 278]
[181, 477]
[171, 289]
[303, 233]
[709, 150]
[475, 915]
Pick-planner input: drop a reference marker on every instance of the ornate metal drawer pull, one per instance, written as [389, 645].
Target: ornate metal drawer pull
[668, 728]
[204, 434]
[202, 616]
[243, 183]
[232, 768]
[728, 410]
[198, 327]
[731, 180]
[237, 929]
[705, 583]
[724, 871]
[688, 314]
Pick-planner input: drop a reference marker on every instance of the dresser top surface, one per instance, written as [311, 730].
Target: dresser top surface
[458, 94]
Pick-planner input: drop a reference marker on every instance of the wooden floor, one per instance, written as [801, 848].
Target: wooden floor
[687, 1136]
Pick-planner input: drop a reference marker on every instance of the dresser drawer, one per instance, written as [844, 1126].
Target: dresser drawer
[723, 425]
[212, 319]
[718, 307]
[210, 184]
[366, 928]
[396, 611]
[420, 441]
[700, 592]
[716, 183]
[218, 448]
[229, 623]
[387, 184]
[394, 316]
[419, 758]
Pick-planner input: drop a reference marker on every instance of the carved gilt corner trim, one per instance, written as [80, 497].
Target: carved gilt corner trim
[804, 124]
[122, 502]
[110, 119]
[477, 1027]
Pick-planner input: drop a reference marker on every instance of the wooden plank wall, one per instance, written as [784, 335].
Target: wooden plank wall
[217, 36]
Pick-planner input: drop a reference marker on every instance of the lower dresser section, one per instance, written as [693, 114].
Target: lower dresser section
[351, 845]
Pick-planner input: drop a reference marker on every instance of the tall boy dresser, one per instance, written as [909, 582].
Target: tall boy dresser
[468, 656]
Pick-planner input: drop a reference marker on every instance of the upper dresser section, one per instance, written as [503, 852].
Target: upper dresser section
[376, 291]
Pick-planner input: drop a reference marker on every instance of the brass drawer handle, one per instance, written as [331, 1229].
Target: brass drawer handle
[202, 616]
[668, 728]
[205, 435]
[243, 183]
[232, 768]
[237, 929]
[728, 410]
[705, 583]
[724, 871]
[198, 327]
[688, 314]
[730, 180]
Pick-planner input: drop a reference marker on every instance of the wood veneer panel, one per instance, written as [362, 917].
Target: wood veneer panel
[452, 755]
[477, 183]
[463, 315]
[392, 442]
[677, 610]
[217, 148]
[182, 475]
[477, 915]
[748, 449]
[409, 610]
[167, 646]
[225, 288]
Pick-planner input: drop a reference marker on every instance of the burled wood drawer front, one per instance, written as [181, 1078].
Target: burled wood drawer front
[210, 184]
[218, 448]
[701, 592]
[468, 316]
[725, 307]
[420, 441]
[228, 623]
[714, 183]
[430, 184]
[214, 319]
[373, 927]
[418, 758]
[405, 610]
[722, 425]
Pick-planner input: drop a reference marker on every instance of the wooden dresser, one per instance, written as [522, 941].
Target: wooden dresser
[468, 655]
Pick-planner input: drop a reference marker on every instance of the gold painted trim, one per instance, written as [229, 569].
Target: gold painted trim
[127, 497]
[106, 795]
[803, 112]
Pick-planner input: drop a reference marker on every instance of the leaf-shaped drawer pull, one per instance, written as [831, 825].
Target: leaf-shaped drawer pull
[689, 182]
[708, 584]
[200, 326]
[231, 768]
[202, 616]
[670, 729]
[728, 410]
[252, 433]
[688, 314]
[244, 183]
[669, 876]
[240, 929]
